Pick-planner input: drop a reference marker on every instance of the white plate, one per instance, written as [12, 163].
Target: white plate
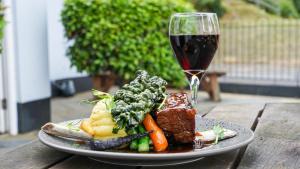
[244, 136]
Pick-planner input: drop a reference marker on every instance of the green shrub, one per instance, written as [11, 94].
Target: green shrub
[297, 5]
[274, 6]
[209, 6]
[287, 9]
[122, 36]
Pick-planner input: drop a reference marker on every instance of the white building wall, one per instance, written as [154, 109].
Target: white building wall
[40, 48]
[37, 56]
[31, 50]
[59, 64]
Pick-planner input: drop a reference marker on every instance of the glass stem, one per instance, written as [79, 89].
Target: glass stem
[194, 85]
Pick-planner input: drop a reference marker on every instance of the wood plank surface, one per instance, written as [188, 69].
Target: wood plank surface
[271, 153]
[280, 121]
[33, 155]
[242, 114]
[80, 162]
[277, 139]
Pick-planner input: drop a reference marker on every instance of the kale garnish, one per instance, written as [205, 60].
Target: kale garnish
[134, 100]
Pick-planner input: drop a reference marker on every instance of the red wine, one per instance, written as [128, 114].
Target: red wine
[194, 52]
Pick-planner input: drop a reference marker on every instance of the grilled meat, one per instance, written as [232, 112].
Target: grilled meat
[177, 119]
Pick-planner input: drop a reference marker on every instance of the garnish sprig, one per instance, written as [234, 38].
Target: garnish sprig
[99, 95]
[219, 132]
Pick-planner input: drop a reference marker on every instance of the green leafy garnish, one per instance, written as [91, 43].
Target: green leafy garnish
[219, 132]
[72, 126]
[134, 100]
[101, 95]
[162, 105]
[92, 102]
[76, 145]
[98, 95]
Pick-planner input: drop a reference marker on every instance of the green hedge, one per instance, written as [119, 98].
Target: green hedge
[274, 3]
[288, 9]
[297, 5]
[122, 36]
[209, 6]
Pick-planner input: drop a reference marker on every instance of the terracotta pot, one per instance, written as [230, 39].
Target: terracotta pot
[104, 82]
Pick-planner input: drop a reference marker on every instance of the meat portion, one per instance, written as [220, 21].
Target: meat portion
[177, 119]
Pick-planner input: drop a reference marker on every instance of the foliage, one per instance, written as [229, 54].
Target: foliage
[287, 9]
[275, 7]
[297, 5]
[122, 36]
[209, 6]
[242, 10]
[2, 24]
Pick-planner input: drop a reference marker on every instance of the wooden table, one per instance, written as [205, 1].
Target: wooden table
[276, 144]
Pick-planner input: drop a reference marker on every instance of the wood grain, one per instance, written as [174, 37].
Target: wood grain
[280, 121]
[80, 162]
[277, 139]
[242, 114]
[33, 155]
[271, 153]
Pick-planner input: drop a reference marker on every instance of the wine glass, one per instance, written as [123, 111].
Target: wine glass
[194, 38]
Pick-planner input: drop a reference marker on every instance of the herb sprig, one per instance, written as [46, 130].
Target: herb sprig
[73, 125]
[98, 95]
[219, 132]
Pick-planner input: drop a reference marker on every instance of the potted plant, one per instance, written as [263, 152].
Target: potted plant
[111, 38]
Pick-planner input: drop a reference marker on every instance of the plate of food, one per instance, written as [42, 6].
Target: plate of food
[143, 125]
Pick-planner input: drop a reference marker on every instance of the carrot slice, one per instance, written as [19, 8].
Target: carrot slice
[157, 136]
[197, 133]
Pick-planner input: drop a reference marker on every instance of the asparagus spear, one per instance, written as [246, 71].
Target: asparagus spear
[134, 143]
[143, 144]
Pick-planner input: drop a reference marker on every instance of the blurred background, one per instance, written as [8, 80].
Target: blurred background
[53, 52]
